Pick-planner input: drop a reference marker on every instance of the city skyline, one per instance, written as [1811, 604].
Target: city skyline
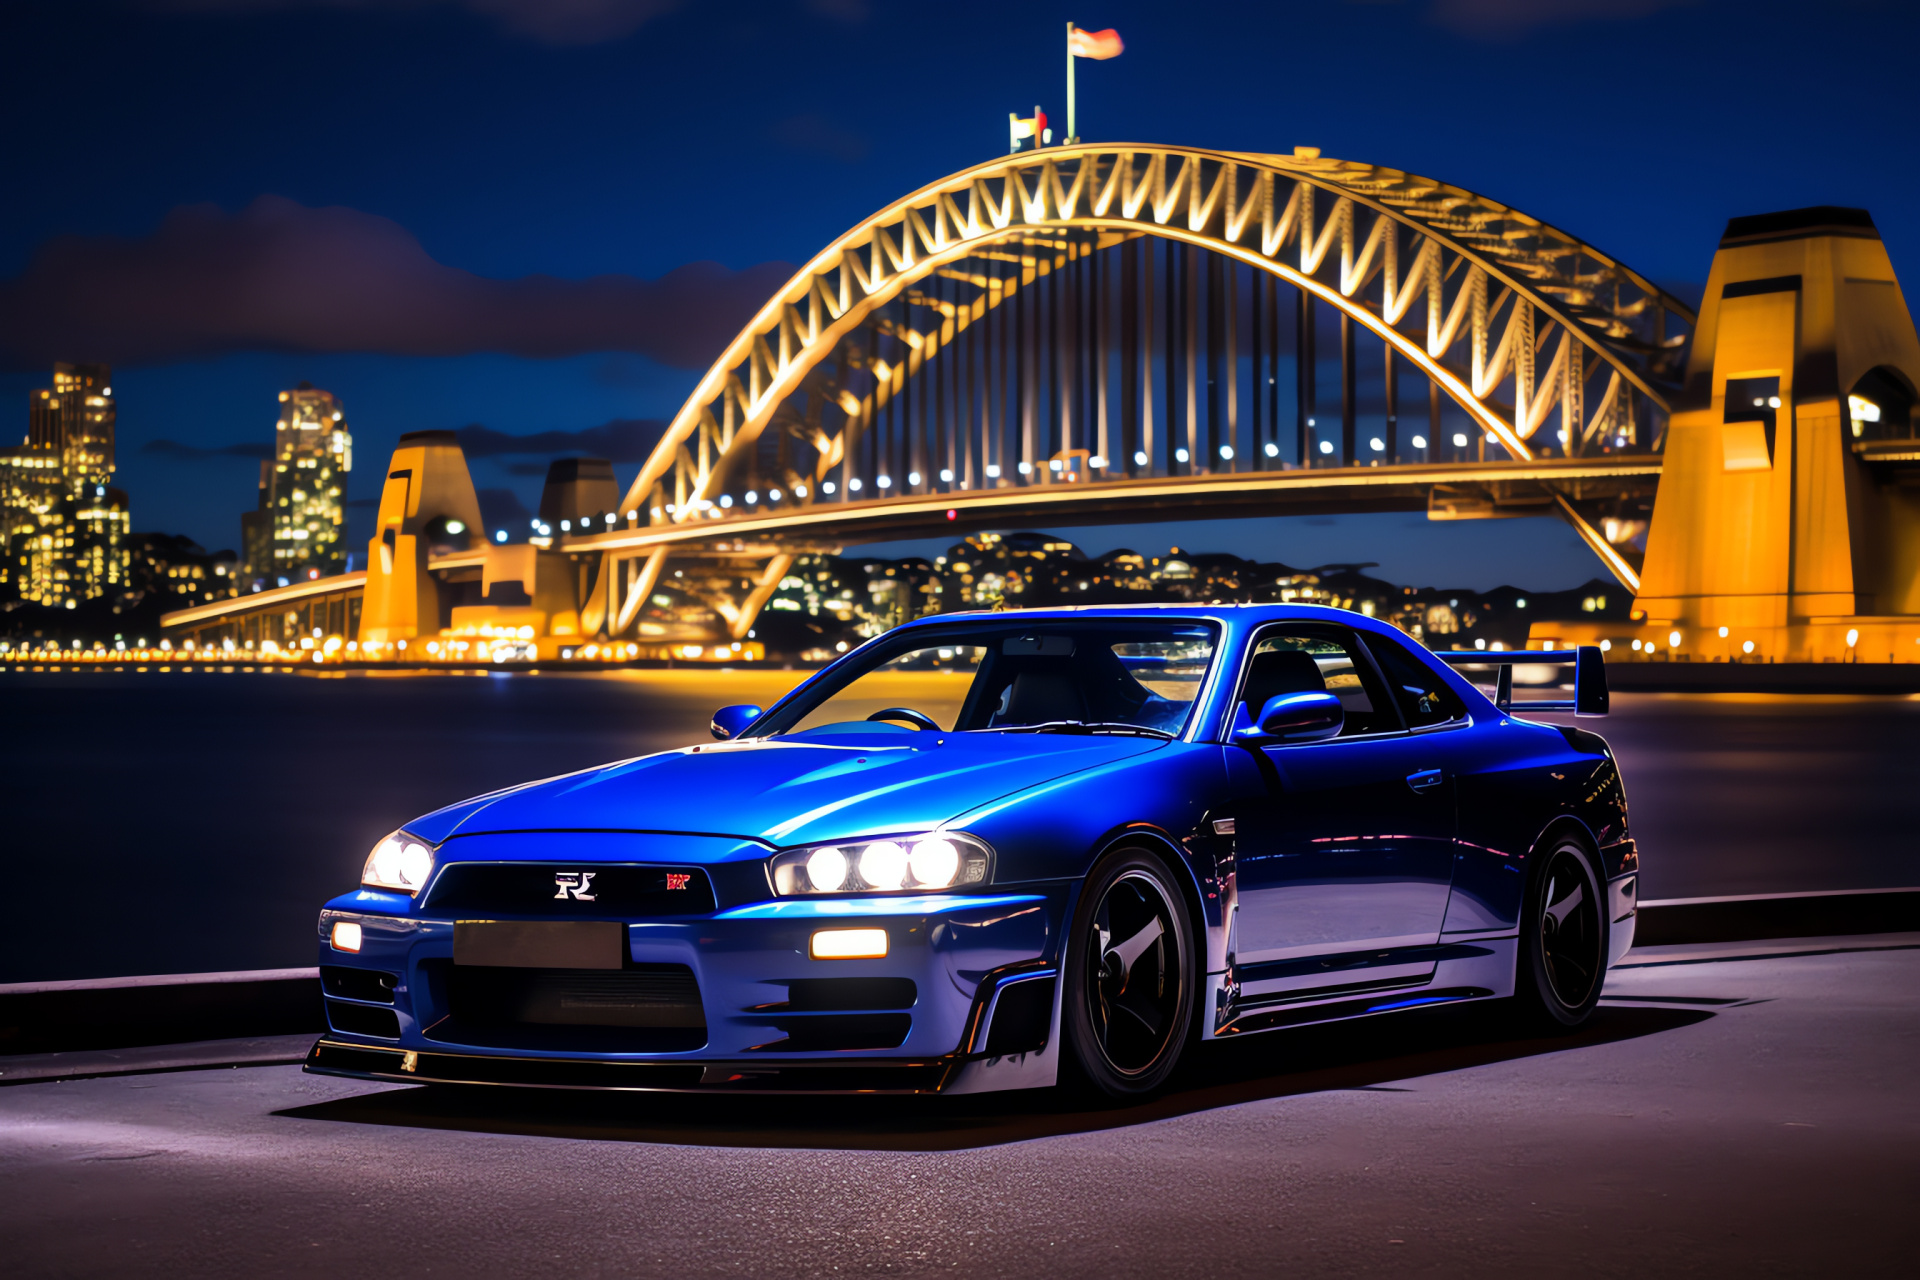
[64, 527]
[263, 552]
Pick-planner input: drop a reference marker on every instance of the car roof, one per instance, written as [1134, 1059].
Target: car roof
[1239, 623]
[1238, 613]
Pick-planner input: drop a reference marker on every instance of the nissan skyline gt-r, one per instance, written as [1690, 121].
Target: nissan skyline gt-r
[998, 851]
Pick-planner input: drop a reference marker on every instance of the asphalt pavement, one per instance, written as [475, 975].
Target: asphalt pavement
[1725, 1113]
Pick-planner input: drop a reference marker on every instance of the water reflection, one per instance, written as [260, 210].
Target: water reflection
[186, 823]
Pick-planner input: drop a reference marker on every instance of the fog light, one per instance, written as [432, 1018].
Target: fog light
[346, 936]
[835, 944]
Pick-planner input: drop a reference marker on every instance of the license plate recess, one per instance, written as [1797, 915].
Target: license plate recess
[540, 944]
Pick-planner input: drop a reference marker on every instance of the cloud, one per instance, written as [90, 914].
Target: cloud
[620, 440]
[279, 276]
[1511, 19]
[819, 136]
[194, 453]
[555, 22]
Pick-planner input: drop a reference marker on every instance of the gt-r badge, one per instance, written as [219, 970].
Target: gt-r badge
[676, 880]
[575, 884]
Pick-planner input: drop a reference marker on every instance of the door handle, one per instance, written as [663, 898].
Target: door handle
[1426, 779]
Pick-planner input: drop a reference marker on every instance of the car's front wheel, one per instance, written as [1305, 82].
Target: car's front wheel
[1128, 1006]
[1563, 939]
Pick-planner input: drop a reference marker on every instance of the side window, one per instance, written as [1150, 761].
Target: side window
[1314, 661]
[1423, 696]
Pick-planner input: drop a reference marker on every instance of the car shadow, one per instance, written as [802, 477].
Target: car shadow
[1367, 1054]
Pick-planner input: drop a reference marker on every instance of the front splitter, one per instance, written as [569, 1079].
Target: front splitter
[407, 1066]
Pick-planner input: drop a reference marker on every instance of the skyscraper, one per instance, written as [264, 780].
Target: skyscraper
[75, 419]
[64, 526]
[299, 528]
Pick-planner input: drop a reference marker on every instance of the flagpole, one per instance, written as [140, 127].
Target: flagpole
[1072, 129]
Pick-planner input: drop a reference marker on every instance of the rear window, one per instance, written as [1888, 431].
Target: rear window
[1422, 695]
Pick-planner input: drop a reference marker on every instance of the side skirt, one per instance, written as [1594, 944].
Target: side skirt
[1477, 970]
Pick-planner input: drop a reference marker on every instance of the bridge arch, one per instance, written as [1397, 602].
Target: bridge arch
[1495, 289]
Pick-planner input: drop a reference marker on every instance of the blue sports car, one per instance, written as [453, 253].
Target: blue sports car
[996, 851]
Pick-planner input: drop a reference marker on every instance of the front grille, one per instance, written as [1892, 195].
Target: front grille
[555, 889]
[649, 1008]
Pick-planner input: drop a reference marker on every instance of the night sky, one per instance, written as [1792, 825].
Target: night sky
[544, 218]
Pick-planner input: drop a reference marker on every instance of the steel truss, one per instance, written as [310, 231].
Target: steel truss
[1099, 315]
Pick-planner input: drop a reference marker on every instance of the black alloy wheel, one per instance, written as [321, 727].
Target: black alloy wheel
[1129, 998]
[1564, 942]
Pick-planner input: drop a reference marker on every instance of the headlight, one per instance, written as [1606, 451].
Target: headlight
[940, 860]
[398, 862]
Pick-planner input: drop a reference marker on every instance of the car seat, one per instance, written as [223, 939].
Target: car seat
[1279, 671]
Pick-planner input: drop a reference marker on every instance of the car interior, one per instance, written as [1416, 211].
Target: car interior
[1095, 675]
[1315, 662]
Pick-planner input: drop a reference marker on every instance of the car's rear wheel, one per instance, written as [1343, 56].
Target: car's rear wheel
[1128, 1008]
[1563, 939]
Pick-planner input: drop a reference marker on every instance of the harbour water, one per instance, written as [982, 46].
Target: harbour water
[191, 823]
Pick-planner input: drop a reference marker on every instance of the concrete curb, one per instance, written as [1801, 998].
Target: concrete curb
[1750, 917]
[264, 1051]
[1765, 949]
[1754, 677]
[158, 1009]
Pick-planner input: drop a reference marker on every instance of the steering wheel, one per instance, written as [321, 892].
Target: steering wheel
[918, 719]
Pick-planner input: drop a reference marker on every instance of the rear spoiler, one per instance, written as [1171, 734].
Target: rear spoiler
[1589, 676]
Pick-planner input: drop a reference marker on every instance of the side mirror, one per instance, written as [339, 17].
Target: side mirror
[1590, 682]
[1297, 717]
[731, 722]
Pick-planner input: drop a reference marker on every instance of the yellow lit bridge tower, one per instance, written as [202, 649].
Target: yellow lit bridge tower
[1787, 526]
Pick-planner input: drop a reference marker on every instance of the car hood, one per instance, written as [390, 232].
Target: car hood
[791, 790]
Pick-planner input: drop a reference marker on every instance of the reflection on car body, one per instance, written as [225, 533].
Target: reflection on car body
[988, 851]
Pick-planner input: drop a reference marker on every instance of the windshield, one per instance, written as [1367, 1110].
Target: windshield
[1074, 676]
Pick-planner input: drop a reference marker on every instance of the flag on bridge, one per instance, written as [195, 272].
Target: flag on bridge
[1098, 45]
[1034, 127]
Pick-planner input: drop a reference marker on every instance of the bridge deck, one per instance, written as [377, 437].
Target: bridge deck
[1334, 489]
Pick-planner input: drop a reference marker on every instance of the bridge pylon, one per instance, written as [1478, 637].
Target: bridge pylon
[427, 503]
[1787, 524]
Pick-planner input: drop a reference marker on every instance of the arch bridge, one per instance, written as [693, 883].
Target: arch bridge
[1091, 334]
[1106, 333]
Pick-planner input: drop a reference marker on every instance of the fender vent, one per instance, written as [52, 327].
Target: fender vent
[1022, 1017]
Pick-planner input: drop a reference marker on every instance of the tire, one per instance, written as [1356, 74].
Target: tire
[1129, 1000]
[1563, 939]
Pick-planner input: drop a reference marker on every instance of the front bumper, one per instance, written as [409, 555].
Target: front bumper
[981, 1011]
[1620, 864]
